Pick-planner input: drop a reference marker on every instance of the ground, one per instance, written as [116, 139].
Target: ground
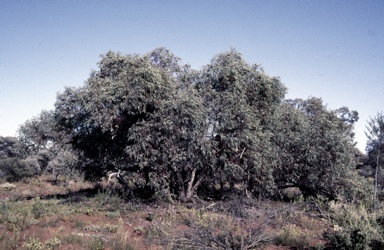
[35, 214]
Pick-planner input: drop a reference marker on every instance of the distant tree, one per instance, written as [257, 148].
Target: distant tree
[14, 165]
[375, 147]
[315, 147]
[9, 147]
[39, 132]
[41, 138]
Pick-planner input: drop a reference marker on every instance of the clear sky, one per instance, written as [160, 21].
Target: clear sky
[328, 49]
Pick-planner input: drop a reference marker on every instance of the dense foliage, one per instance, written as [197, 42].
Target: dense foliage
[240, 99]
[314, 146]
[14, 163]
[173, 130]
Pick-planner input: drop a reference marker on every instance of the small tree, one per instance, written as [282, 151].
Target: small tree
[375, 135]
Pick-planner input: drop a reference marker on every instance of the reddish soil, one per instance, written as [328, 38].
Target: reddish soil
[79, 228]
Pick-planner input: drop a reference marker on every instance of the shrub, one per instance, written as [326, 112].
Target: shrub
[9, 241]
[121, 242]
[53, 243]
[215, 231]
[33, 244]
[7, 186]
[37, 208]
[355, 227]
[15, 169]
[292, 235]
[96, 244]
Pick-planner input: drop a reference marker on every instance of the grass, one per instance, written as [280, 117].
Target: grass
[104, 220]
[292, 235]
[354, 226]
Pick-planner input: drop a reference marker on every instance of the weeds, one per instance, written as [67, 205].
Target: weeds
[109, 198]
[33, 244]
[8, 241]
[53, 243]
[292, 235]
[7, 186]
[78, 224]
[37, 208]
[230, 224]
[121, 242]
[96, 244]
[355, 227]
[72, 239]
[50, 222]
[210, 230]
[113, 214]
[108, 228]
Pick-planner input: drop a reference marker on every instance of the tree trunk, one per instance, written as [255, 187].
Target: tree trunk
[193, 187]
[182, 195]
[375, 182]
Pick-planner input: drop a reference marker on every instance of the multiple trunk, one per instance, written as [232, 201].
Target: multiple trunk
[186, 193]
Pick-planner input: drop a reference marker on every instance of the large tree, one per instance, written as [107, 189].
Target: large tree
[138, 114]
[315, 146]
[171, 128]
[143, 114]
[240, 99]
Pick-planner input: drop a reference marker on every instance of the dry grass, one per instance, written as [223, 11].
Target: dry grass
[88, 222]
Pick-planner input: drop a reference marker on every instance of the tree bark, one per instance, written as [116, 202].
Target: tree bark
[192, 188]
[181, 189]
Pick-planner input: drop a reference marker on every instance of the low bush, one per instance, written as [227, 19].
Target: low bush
[291, 235]
[16, 169]
[96, 244]
[7, 186]
[216, 231]
[53, 243]
[33, 244]
[355, 227]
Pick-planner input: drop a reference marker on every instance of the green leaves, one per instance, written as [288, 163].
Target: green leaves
[240, 99]
[174, 128]
[315, 147]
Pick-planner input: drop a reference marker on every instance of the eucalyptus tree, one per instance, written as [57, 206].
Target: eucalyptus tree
[375, 146]
[240, 99]
[138, 114]
[315, 147]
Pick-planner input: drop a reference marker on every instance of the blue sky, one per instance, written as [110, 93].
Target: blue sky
[328, 49]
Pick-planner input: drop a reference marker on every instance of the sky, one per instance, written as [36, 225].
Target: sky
[322, 48]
